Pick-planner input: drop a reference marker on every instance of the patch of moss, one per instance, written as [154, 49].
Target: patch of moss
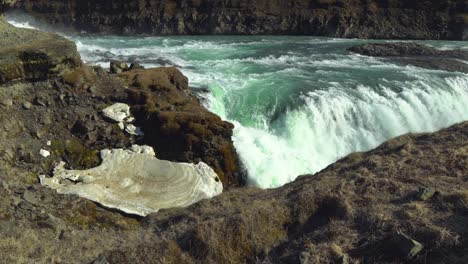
[75, 154]
[81, 78]
[30, 178]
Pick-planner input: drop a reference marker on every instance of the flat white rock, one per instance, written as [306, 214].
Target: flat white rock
[136, 182]
[133, 130]
[117, 112]
[44, 153]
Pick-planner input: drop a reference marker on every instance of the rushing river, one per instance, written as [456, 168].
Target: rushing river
[299, 103]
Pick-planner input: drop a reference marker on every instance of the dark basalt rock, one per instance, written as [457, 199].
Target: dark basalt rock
[406, 49]
[178, 126]
[409, 53]
[6, 4]
[388, 19]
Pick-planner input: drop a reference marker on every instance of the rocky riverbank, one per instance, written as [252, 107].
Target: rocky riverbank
[379, 19]
[405, 201]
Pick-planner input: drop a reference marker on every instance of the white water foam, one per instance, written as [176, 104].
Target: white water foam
[22, 24]
[335, 123]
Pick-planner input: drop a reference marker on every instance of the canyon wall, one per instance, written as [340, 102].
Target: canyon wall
[382, 19]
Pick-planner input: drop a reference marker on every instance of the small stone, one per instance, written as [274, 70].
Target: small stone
[27, 105]
[121, 125]
[101, 260]
[130, 119]
[406, 246]
[426, 193]
[117, 67]
[44, 153]
[40, 133]
[46, 119]
[30, 197]
[133, 130]
[7, 102]
[40, 101]
[117, 112]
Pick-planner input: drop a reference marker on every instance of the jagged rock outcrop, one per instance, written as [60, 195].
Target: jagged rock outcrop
[178, 126]
[409, 53]
[389, 19]
[33, 55]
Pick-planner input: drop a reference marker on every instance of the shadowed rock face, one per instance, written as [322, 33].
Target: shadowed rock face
[395, 19]
[5, 4]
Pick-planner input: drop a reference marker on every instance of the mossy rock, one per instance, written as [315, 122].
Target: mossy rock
[33, 55]
[76, 154]
[81, 78]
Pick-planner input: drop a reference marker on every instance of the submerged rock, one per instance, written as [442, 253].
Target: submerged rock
[406, 49]
[408, 53]
[136, 182]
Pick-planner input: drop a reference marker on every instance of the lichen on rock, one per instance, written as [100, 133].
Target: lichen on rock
[136, 182]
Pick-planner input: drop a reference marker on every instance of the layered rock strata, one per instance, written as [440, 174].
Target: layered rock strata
[388, 19]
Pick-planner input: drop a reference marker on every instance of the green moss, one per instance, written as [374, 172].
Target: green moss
[75, 154]
[30, 178]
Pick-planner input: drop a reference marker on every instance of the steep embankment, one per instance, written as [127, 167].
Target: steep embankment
[388, 19]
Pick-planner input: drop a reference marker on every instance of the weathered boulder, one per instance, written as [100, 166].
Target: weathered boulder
[33, 55]
[178, 126]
